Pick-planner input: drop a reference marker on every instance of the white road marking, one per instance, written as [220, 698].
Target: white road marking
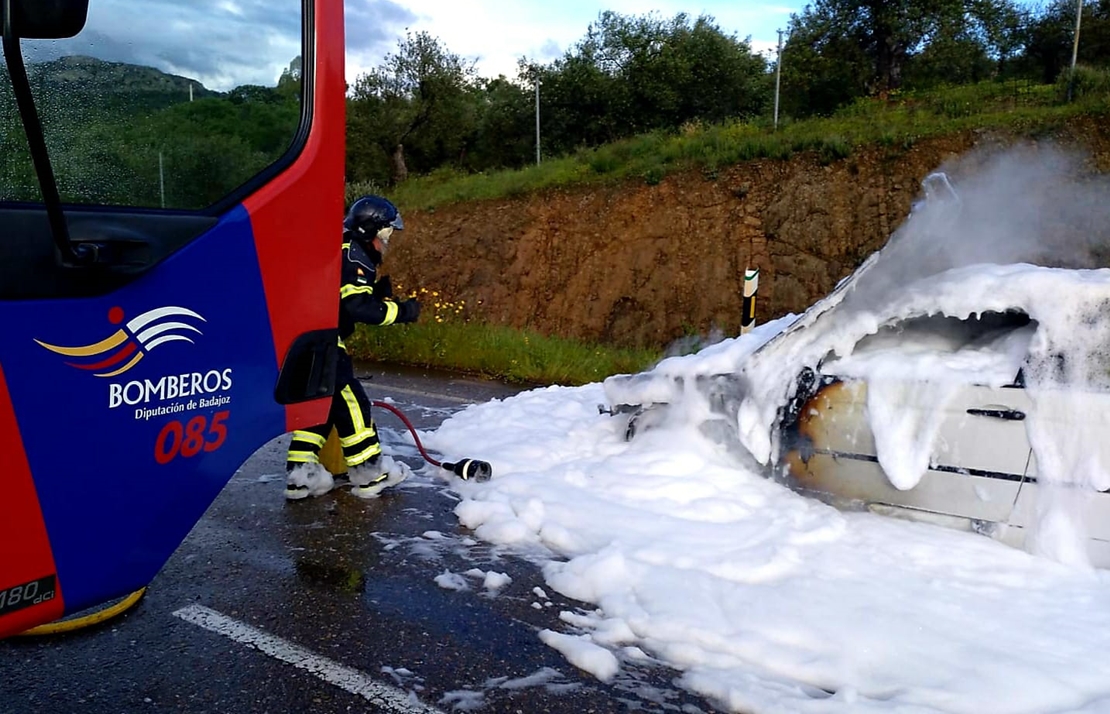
[390, 698]
[417, 393]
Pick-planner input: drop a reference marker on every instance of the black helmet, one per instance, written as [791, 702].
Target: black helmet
[369, 215]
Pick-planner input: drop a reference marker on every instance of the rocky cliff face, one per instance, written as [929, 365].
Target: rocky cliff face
[642, 265]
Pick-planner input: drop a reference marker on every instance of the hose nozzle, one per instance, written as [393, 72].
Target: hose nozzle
[470, 469]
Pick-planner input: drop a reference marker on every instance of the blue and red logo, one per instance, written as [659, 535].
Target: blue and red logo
[122, 350]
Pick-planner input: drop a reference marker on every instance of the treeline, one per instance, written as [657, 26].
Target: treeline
[424, 108]
[129, 135]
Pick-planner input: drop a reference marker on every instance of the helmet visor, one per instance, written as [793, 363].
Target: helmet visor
[384, 235]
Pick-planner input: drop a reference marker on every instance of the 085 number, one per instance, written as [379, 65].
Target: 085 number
[192, 437]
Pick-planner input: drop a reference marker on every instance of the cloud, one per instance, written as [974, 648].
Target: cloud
[549, 51]
[768, 48]
[373, 29]
[220, 43]
[227, 43]
[375, 25]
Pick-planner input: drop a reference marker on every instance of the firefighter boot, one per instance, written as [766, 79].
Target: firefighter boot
[374, 476]
[307, 479]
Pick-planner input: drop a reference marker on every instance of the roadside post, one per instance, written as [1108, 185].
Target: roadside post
[751, 284]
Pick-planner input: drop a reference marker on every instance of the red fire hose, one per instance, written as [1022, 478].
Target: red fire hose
[465, 468]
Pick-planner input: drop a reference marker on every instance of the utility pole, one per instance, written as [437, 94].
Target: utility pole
[161, 180]
[1075, 46]
[537, 80]
[778, 79]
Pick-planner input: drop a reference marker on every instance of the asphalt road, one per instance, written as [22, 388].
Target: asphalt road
[332, 605]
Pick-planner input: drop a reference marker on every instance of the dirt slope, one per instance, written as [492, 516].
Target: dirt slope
[642, 265]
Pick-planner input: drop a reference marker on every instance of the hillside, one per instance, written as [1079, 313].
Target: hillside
[636, 264]
[96, 84]
[133, 135]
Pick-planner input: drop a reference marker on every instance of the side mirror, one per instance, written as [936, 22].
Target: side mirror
[43, 19]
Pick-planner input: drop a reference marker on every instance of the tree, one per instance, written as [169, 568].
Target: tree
[841, 49]
[255, 93]
[1049, 44]
[416, 103]
[824, 65]
[1004, 27]
[955, 54]
[633, 74]
[579, 103]
[722, 78]
[504, 136]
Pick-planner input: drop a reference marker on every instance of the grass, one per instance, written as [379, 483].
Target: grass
[896, 123]
[443, 339]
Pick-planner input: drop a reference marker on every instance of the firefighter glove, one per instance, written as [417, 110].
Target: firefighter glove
[408, 311]
[383, 288]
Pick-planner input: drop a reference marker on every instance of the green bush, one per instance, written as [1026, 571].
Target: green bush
[358, 189]
[1088, 82]
[834, 148]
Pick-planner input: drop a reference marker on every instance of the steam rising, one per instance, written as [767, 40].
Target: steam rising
[1032, 204]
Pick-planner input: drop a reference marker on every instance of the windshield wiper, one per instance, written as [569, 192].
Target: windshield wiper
[82, 254]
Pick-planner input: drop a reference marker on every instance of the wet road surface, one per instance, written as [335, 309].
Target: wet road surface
[332, 604]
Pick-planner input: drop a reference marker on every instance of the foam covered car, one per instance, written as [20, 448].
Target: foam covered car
[960, 376]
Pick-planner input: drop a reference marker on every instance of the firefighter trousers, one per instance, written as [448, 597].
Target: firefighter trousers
[349, 414]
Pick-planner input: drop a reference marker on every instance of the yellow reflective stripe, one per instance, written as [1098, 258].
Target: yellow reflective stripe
[354, 408]
[309, 436]
[358, 437]
[364, 455]
[302, 457]
[346, 245]
[342, 346]
[391, 311]
[348, 290]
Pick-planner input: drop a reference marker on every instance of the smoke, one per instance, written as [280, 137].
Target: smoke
[1034, 203]
[691, 344]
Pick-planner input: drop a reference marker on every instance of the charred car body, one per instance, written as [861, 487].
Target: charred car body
[963, 396]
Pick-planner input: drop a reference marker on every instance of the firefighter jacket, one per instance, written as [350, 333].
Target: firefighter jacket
[362, 297]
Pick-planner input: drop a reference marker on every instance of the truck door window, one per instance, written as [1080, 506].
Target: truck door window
[160, 103]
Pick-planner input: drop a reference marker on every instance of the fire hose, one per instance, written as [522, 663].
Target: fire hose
[464, 468]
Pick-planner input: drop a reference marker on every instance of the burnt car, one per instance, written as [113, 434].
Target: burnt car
[939, 446]
[957, 454]
[957, 383]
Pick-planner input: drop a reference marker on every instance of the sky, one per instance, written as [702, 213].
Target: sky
[226, 43]
[497, 33]
[686, 554]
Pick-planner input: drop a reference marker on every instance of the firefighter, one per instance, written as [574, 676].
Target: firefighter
[366, 298]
